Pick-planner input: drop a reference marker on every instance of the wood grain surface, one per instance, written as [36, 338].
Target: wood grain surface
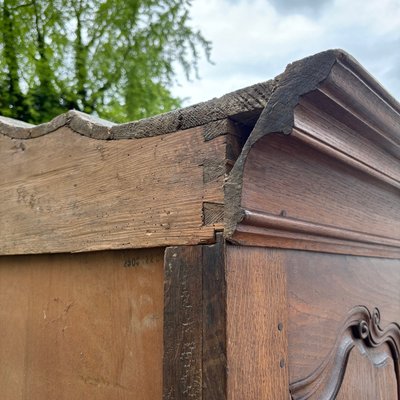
[369, 378]
[256, 324]
[67, 193]
[183, 325]
[84, 326]
[305, 197]
[322, 289]
[195, 322]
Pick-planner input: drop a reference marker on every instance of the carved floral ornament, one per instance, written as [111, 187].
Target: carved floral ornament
[362, 329]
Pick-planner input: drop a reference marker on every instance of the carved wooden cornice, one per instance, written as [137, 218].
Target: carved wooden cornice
[361, 328]
[320, 170]
[326, 112]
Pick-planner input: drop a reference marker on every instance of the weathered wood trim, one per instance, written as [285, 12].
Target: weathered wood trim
[214, 364]
[195, 322]
[261, 229]
[182, 323]
[244, 105]
[331, 104]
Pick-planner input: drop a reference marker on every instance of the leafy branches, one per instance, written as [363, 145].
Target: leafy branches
[116, 58]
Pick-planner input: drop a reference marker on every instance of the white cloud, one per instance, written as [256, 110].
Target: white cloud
[253, 41]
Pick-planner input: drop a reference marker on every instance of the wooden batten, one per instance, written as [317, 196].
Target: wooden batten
[321, 171]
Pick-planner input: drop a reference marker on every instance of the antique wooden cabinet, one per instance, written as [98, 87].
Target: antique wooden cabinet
[243, 248]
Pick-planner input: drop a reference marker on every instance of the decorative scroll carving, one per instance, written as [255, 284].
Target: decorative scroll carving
[361, 328]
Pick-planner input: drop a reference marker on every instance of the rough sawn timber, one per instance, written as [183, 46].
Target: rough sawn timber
[68, 193]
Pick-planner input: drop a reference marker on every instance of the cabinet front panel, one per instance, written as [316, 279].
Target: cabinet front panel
[343, 326]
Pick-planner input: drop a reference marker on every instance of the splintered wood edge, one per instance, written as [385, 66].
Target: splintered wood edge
[306, 77]
[244, 105]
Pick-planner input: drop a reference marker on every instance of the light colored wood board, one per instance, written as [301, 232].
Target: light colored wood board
[65, 192]
[256, 324]
[82, 326]
[288, 179]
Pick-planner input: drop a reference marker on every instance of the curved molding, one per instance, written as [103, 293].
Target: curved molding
[286, 224]
[331, 105]
[244, 105]
[361, 328]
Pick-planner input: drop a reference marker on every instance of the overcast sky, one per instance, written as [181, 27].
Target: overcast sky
[253, 40]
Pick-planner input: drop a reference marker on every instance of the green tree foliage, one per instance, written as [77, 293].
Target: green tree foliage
[114, 58]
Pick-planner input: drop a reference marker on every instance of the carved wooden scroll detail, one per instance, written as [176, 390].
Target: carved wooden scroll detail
[361, 329]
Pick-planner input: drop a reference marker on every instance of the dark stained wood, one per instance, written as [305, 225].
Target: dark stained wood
[325, 151]
[244, 105]
[183, 325]
[82, 326]
[256, 324]
[322, 292]
[294, 193]
[195, 322]
[370, 377]
[214, 321]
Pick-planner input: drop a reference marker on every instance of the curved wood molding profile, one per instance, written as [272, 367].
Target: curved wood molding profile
[320, 170]
[361, 330]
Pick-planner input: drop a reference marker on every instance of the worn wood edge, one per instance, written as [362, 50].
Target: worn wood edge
[360, 325]
[214, 351]
[262, 229]
[300, 78]
[234, 105]
[257, 237]
[182, 333]
[194, 362]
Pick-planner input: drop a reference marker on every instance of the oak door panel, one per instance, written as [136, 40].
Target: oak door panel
[343, 326]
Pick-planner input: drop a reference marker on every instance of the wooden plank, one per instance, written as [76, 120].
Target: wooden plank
[256, 324]
[66, 193]
[183, 323]
[195, 322]
[82, 326]
[214, 321]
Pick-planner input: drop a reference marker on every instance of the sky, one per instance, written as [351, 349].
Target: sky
[254, 40]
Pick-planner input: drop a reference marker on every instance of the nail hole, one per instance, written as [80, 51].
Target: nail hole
[282, 363]
[280, 326]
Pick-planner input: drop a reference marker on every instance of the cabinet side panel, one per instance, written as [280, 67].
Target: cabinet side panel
[82, 326]
[256, 324]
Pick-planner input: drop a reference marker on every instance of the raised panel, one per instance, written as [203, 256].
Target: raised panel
[369, 375]
[343, 326]
[363, 363]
